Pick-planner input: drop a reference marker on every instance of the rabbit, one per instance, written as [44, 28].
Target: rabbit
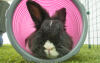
[50, 40]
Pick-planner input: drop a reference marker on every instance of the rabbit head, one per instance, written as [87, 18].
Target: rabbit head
[40, 15]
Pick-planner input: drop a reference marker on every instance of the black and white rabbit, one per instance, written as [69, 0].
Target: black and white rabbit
[50, 40]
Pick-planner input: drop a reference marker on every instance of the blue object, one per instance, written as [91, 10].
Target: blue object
[1, 40]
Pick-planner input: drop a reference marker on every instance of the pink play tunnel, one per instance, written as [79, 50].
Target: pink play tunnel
[22, 25]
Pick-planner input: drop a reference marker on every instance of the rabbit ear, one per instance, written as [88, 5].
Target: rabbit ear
[60, 14]
[37, 13]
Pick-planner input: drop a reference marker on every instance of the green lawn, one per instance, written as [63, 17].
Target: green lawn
[9, 55]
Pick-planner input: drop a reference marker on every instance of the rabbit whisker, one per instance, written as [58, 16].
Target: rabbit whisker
[65, 48]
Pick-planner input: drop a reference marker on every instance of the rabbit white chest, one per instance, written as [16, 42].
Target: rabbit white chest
[50, 50]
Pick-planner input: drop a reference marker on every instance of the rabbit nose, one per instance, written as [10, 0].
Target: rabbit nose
[50, 49]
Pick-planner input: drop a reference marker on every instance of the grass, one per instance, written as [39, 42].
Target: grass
[9, 55]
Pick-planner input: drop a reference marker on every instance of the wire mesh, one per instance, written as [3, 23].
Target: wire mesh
[93, 15]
